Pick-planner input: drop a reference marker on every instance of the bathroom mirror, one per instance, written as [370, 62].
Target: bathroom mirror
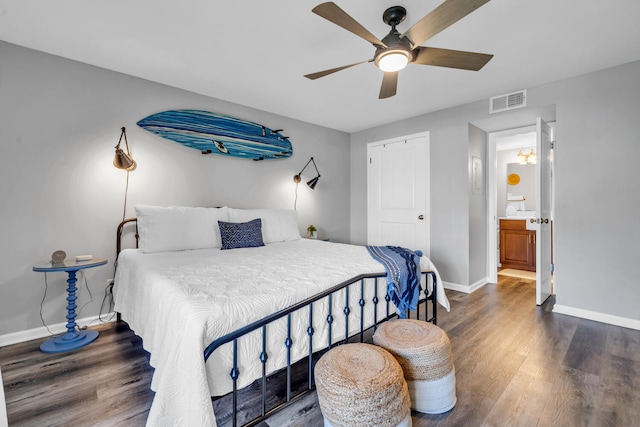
[521, 182]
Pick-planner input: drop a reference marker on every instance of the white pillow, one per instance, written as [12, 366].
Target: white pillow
[179, 228]
[278, 225]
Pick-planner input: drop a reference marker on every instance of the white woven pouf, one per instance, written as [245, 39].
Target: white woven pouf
[424, 352]
[361, 385]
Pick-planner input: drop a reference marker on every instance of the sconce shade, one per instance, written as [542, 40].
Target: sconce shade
[123, 160]
[313, 182]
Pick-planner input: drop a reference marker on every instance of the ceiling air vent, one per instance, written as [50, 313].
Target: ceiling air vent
[508, 101]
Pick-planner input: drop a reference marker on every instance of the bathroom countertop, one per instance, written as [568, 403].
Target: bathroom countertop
[519, 218]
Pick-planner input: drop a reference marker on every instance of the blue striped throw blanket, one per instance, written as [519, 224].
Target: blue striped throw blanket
[403, 275]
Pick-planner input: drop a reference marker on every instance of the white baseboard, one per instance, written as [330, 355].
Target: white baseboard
[58, 328]
[480, 283]
[467, 289]
[456, 287]
[598, 317]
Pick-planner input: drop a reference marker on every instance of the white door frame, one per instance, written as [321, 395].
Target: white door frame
[427, 183]
[492, 197]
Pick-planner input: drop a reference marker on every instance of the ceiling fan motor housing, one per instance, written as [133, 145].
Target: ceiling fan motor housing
[395, 45]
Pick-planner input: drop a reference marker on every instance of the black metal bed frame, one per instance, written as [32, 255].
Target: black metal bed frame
[262, 324]
[308, 303]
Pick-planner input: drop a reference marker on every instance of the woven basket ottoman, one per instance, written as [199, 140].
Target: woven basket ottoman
[361, 385]
[424, 352]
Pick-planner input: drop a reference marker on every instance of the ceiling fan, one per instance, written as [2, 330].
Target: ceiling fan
[395, 51]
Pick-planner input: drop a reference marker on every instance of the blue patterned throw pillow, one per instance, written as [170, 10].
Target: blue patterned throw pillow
[241, 234]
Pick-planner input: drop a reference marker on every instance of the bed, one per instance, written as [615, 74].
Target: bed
[180, 293]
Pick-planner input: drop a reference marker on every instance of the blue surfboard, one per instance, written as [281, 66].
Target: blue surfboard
[215, 133]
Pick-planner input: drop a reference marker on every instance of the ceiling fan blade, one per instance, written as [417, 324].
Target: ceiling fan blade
[451, 58]
[389, 85]
[332, 12]
[319, 74]
[440, 18]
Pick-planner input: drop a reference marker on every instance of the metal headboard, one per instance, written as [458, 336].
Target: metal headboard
[121, 230]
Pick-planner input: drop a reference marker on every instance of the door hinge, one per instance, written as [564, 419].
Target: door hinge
[553, 145]
[369, 160]
[553, 267]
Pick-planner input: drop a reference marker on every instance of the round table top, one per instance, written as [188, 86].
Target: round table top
[68, 265]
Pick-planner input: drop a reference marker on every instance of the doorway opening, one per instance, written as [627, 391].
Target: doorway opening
[520, 205]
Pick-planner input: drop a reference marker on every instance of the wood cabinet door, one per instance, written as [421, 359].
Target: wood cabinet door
[517, 250]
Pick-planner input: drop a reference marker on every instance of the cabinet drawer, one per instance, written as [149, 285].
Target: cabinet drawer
[513, 224]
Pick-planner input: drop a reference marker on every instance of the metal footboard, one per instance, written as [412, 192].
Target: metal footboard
[429, 315]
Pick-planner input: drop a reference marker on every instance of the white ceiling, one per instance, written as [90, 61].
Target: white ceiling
[256, 52]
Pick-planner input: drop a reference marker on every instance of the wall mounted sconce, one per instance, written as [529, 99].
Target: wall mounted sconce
[311, 183]
[123, 160]
[523, 159]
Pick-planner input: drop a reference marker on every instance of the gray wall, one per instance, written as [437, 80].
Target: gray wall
[59, 123]
[477, 210]
[596, 200]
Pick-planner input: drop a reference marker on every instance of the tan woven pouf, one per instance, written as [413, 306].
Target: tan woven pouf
[424, 352]
[361, 385]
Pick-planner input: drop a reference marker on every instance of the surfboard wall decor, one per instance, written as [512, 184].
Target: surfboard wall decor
[214, 133]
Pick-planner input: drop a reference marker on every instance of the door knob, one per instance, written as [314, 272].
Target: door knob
[546, 220]
[532, 220]
[420, 217]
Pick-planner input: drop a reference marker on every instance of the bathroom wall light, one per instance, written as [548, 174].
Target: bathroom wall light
[523, 159]
[532, 158]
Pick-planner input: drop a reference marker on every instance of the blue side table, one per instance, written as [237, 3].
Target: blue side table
[73, 339]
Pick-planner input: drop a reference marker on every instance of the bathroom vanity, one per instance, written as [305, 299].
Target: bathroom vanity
[517, 244]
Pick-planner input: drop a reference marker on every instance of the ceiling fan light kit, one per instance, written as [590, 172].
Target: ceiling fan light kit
[392, 61]
[395, 51]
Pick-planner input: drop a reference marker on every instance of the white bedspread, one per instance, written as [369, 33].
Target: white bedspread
[179, 302]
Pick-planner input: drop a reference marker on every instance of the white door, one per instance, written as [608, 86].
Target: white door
[398, 193]
[543, 193]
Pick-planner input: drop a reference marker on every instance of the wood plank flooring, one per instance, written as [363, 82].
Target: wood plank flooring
[516, 364]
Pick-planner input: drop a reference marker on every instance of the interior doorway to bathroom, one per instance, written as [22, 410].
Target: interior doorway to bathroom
[520, 193]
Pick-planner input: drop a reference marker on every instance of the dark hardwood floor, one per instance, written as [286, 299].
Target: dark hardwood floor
[516, 364]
